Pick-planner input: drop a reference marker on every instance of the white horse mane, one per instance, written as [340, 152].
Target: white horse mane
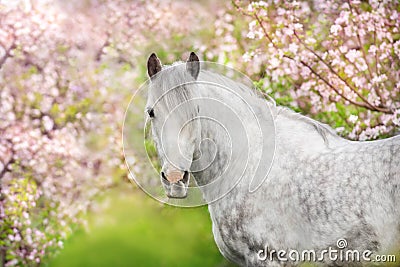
[173, 75]
[322, 129]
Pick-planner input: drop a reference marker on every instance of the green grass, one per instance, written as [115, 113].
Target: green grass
[135, 230]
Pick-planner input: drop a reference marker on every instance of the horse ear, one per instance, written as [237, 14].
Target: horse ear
[193, 65]
[153, 65]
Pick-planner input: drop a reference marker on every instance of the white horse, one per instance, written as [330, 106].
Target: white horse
[319, 187]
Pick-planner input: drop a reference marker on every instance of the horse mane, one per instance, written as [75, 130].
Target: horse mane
[246, 88]
[324, 130]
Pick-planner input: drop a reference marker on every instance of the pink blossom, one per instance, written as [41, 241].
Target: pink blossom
[346, 50]
[335, 29]
[352, 55]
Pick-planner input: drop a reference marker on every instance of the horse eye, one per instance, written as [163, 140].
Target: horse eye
[151, 113]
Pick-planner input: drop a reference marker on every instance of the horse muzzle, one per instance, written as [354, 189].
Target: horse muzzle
[175, 183]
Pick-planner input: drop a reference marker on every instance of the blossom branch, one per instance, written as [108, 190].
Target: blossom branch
[367, 104]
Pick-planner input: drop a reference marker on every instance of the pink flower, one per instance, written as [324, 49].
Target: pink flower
[352, 55]
[353, 118]
[335, 29]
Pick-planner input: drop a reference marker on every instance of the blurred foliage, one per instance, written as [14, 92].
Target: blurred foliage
[131, 229]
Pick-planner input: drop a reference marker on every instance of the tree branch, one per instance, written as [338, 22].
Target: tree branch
[365, 104]
[368, 105]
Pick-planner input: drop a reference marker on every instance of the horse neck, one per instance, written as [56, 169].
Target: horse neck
[283, 129]
[229, 163]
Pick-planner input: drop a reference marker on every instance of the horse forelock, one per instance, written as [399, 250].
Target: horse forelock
[172, 87]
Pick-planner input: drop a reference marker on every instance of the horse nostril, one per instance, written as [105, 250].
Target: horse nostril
[185, 177]
[164, 177]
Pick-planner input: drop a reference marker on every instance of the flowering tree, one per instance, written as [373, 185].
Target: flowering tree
[340, 59]
[66, 69]
[53, 104]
